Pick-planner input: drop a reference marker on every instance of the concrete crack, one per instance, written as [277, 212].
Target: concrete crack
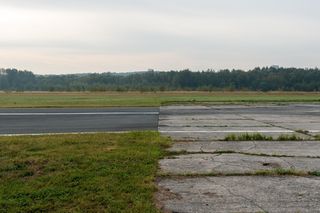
[201, 149]
[237, 195]
[286, 128]
[248, 199]
[290, 164]
[270, 124]
[252, 147]
[239, 165]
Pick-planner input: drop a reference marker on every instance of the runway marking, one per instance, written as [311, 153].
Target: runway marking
[314, 131]
[76, 113]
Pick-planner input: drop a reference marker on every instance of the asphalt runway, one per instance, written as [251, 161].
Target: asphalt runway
[43, 121]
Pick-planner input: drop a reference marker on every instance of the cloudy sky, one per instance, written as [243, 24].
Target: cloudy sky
[73, 36]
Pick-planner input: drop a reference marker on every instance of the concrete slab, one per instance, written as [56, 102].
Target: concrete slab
[199, 127]
[311, 127]
[288, 148]
[194, 116]
[289, 109]
[285, 118]
[212, 123]
[240, 194]
[216, 122]
[186, 107]
[233, 164]
[223, 129]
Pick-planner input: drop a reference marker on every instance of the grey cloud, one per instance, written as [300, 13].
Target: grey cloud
[200, 33]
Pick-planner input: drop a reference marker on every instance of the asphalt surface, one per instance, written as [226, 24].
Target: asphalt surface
[38, 121]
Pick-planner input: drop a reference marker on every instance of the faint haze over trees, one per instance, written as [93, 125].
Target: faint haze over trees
[258, 79]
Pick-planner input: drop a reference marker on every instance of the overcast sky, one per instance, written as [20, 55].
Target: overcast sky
[73, 36]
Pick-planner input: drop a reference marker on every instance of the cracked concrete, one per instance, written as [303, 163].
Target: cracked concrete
[287, 148]
[234, 164]
[216, 122]
[243, 194]
[197, 131]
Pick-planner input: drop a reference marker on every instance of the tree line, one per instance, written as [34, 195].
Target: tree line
[258, 79]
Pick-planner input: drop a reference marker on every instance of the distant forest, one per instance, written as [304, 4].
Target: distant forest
[258, 79]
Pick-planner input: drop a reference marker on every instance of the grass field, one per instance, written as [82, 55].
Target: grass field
[113, 99]
[72, 173]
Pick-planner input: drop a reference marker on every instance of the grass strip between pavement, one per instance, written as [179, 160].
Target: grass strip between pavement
[139, 99]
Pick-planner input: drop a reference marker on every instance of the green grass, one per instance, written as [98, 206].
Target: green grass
[260, 137]
[75, 173]
[271, 172]
[248, 137]
[109, 99]
[280, 172]
[289, 138]
[315, 173]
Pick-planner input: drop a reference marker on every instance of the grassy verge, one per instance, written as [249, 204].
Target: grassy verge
[113, 99]
[260, 137]
[71, 173]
